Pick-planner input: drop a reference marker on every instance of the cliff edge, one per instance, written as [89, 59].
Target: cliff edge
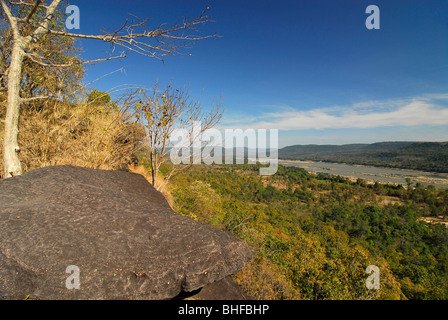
[109, 232]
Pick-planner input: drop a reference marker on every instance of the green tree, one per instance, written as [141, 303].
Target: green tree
[98, 97]
[408, 182]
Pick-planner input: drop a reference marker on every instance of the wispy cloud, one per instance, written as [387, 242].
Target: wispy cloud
[417, 111]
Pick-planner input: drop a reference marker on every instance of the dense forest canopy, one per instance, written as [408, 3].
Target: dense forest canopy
[315, 234]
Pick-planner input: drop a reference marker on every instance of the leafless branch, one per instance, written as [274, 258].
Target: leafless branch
[77, 62]
[42, 29]
[135, 36]
[23, 3]
[12, 20]
[34, 98]
[33, 11]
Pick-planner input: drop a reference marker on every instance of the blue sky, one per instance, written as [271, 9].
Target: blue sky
[308, 68]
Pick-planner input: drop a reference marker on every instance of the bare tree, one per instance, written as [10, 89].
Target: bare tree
[164, 111]
[30, 21]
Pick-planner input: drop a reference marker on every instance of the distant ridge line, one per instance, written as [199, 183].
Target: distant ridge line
[418, 155]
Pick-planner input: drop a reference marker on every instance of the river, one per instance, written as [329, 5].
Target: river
[371, 174]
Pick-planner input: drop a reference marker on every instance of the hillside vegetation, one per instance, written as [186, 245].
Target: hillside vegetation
[315, 235]
[426, 156]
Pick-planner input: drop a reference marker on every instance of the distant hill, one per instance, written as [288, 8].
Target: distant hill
[426, 156]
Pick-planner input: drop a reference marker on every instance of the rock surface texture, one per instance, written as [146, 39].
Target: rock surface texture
[120, 233]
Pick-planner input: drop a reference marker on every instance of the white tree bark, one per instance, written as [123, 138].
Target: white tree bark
[11, 161]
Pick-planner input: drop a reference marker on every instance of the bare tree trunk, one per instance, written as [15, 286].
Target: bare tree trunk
[11, 161]
[154, 169]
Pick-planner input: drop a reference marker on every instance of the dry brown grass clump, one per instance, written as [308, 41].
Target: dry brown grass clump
[86, 135]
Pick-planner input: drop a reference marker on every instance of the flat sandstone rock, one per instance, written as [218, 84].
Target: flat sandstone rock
[115, 228]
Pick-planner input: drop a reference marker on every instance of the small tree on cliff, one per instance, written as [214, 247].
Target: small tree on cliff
[161, 112]
[31, 21]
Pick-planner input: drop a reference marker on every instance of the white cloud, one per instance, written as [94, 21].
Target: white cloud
[370, 114]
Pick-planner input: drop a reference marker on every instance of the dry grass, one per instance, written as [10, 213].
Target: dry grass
[81, 135]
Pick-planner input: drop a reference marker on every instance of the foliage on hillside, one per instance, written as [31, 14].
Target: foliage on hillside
[314, 236]
[426, 156]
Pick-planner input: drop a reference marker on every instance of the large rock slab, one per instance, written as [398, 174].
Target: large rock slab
[120, 233]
